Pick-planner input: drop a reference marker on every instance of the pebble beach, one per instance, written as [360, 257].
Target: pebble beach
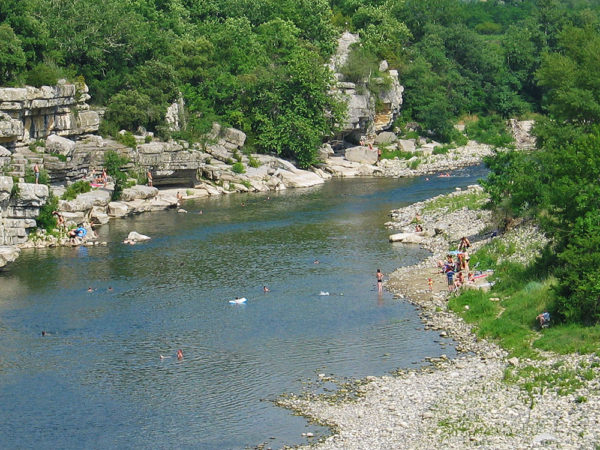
[464, 402]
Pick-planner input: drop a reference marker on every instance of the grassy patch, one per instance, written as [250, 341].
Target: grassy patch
[73, 190]
[471, 200]
[570, 338]
[524, 292]
[400, 154]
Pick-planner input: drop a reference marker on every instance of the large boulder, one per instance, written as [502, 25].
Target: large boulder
[298, 178]
[324, 152]
[86, 201]
[134, 236]
[138, 192]
[234, 137]
[361, 154]
[8, 254]
[407, 145]
[385, 137]
[60, 145]
[117, 209]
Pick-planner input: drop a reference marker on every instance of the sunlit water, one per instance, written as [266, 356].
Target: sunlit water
[97, 379]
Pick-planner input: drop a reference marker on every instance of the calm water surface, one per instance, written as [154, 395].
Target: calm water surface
[97, 379]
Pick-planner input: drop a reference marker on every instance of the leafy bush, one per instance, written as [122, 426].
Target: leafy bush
[113, 163]
[43, 75]
[253, 162]
[46, 220]
[489, 130]
[414, 164]
[74, 189]
[360, 65]
[238, 167]
[127, 139]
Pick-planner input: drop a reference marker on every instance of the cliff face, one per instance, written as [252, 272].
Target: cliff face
[363, 116]
[19, 206]
[30, 113]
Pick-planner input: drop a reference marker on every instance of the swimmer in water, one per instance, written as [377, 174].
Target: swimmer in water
[316, 261]
[266, 289]
[90, 289]
[180, 354]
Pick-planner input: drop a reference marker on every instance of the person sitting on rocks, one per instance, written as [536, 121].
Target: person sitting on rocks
[464, 243]
[418, 228]
[77, 234]
[543, 319]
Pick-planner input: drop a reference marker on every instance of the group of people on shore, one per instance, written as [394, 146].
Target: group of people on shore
[456, 266]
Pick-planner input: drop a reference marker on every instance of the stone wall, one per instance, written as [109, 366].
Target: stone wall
[28, 114]
[18, 209]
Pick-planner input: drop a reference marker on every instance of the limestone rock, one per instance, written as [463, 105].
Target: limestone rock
[6, 185]
[386, 137]
[361, 155]
[138, 192]
[325, 152]
[117, 209]
[299, 178]
[407, 238]
[8, 254]
[407, 145]
[32, 194]
[86, 201]
[235, 137]
[60, 145]
[134, 236]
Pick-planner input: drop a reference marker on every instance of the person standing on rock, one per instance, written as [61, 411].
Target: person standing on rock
[149, 176]
[36, 172]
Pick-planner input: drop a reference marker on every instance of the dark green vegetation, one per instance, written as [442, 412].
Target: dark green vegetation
[258, 65]
[557, 185]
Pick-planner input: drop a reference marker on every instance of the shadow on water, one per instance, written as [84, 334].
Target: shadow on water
[97, 378]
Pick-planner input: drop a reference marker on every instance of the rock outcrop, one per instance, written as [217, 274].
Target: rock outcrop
[363, 117]
[31, 113]
[19, 206]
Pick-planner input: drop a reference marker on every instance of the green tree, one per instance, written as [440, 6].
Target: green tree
[570, 77]
[12, 57]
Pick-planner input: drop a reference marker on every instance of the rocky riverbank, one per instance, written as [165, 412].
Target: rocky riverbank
[467, 401]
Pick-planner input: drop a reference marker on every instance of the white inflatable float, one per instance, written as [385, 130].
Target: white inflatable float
[238, 301]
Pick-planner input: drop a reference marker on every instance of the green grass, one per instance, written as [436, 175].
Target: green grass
[524, 293]
[471, 200]
[400, 154]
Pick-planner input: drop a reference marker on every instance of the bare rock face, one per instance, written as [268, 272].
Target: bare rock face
[521, 131]
[60, 145]
[362, 117]
[361, 155]
[19, 206]
[35, 113]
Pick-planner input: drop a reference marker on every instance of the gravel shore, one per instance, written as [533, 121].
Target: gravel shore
[464, 402]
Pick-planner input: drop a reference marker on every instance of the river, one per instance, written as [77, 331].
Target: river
[97, 379]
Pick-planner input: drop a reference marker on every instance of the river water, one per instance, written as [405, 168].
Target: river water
[97, 378]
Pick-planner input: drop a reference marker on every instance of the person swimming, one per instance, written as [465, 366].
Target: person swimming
[266, 289]
[180, 354]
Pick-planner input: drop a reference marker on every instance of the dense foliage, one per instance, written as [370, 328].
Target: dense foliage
[259, 64]
[558, 183]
